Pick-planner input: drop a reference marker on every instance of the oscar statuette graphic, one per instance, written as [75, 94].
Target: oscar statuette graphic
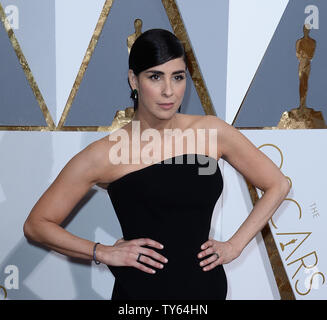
[122, 117]
[303, 117]
[138, 31]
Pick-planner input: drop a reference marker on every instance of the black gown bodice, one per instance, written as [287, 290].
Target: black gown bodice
[172, 202]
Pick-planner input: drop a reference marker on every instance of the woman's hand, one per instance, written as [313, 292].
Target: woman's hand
[225, 250]
[126, 252]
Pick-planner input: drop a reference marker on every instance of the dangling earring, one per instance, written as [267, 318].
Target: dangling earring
[134, 94]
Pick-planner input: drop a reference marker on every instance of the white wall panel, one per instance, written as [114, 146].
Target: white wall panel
[252, 24]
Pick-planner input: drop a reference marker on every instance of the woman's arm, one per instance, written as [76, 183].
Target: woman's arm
[89, 167]
[260, 171]
[73, 182]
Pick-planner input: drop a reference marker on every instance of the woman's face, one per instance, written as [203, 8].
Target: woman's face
[161, 88]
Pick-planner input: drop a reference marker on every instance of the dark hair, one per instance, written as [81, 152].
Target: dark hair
[152, 48]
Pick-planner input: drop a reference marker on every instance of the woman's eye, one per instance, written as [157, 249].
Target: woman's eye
[155, 77]
[179, 78]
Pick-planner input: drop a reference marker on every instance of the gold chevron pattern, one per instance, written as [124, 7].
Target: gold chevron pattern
[31, 80]
[180, 31]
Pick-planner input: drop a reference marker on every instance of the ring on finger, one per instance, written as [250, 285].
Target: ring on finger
[216, 255]
[138, 258]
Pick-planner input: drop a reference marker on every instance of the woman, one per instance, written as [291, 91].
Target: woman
[164, 210]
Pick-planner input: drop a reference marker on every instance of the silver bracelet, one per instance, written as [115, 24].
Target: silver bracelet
[94, 255]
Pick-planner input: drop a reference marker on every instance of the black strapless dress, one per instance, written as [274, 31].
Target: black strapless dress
[171, 202]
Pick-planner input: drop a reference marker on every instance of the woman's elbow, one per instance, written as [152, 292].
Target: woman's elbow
[28, 230]
[285, 186]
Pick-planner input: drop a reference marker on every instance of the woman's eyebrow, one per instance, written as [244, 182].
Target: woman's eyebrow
[161, 73]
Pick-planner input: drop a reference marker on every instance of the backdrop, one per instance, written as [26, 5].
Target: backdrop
[63, 76]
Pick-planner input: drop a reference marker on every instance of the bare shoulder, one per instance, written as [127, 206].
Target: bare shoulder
[213, 127]
[192, 121]
[214, 122]
[97, 155]
[81, 172]
[90, 161]
[227, 135]
[211, 122]
[244, 156]
[202, 121]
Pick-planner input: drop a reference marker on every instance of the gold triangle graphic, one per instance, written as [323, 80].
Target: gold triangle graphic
[246, 94]
[180, 31]
[89, 52]
[178, 28]
[31, 81]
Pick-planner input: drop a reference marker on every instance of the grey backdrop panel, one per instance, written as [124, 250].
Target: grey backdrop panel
[104, 88]
[18, 105]
[93, 211]
[275, 88]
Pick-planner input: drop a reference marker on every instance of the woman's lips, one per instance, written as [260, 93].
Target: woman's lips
[166, 105]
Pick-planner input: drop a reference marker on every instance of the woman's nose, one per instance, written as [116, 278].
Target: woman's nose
[167, 89]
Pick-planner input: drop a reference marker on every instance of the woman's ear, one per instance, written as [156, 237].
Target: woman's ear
[132, 79]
